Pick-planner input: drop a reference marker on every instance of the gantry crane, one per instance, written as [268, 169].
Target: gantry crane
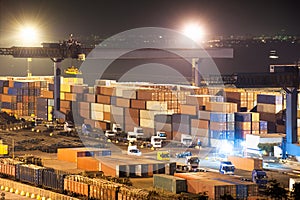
[288, 78]
[57, 52]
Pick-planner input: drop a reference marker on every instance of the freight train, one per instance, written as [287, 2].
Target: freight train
[70, 184]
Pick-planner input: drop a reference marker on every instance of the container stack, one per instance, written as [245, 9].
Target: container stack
[221, 121]
[71, 90]
[20, 96]
[270, 107]
[246, 123]
[245, 100]
[131, 105]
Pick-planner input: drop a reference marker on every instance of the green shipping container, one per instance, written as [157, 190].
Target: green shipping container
[169, 183]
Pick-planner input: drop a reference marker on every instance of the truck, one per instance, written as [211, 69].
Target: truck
[138, 132]
[226, 167]
[134, 151]
[131, 137]
[191, 164]
[163, 155]
[116, 128]
[260, 178]
[156, 140]
[186, 139]
[110, 134]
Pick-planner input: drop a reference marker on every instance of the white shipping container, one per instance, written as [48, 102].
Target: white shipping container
[97, 115]
[147, 123]
[157, 105]
[97, 107]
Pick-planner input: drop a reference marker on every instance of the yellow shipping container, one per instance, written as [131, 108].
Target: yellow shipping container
[65, 87]
[255, 117]
[62, 96]
[3, 149]
[106, 108]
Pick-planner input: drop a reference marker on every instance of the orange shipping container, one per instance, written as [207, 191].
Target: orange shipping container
[65, 104]
[70, 96]
[189, 109]
[106, 116]
[108, 170]
[103, 99]
[84, 106]
[221, 107]
[8, 98]
[218, 126]
[47, 94]
[243, 126]
[88, 163]
[147, 94]
[89, 98]
[247, 164]
[139, 104]
[121, 102]
[199, 123]
[107, 90]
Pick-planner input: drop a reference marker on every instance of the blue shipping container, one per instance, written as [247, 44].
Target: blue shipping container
[218, 117]
[269, 99]
[243, 116]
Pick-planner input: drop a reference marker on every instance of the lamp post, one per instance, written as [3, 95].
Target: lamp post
[28, 36]
[196, 33]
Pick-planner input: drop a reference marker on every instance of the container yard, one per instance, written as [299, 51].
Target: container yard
[177, 110]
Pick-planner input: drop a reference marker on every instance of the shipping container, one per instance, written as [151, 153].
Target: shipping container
[169, 183]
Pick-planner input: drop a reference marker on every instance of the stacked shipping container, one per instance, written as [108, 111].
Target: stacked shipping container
[270, 106]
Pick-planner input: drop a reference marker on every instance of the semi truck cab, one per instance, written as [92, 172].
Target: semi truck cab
[260, 178]
[226, 167]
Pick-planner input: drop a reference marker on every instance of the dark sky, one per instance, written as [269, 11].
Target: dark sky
[58, 18]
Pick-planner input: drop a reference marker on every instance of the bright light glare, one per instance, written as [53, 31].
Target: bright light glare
[194, 31]
[28, 35]
[226, 148]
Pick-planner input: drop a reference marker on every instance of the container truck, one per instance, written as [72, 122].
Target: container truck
[260, 178]
[138, 132]
[156, 140]
[192, 164]
[226, 167]
[187, 140]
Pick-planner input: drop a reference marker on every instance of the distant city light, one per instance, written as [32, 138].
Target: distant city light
[194, 31]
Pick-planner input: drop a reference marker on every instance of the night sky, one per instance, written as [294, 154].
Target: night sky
[58, 18]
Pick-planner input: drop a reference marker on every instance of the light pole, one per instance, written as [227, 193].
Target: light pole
[196, 33]
[28, 36]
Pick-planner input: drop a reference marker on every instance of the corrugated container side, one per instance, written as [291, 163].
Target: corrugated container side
[169, 183]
